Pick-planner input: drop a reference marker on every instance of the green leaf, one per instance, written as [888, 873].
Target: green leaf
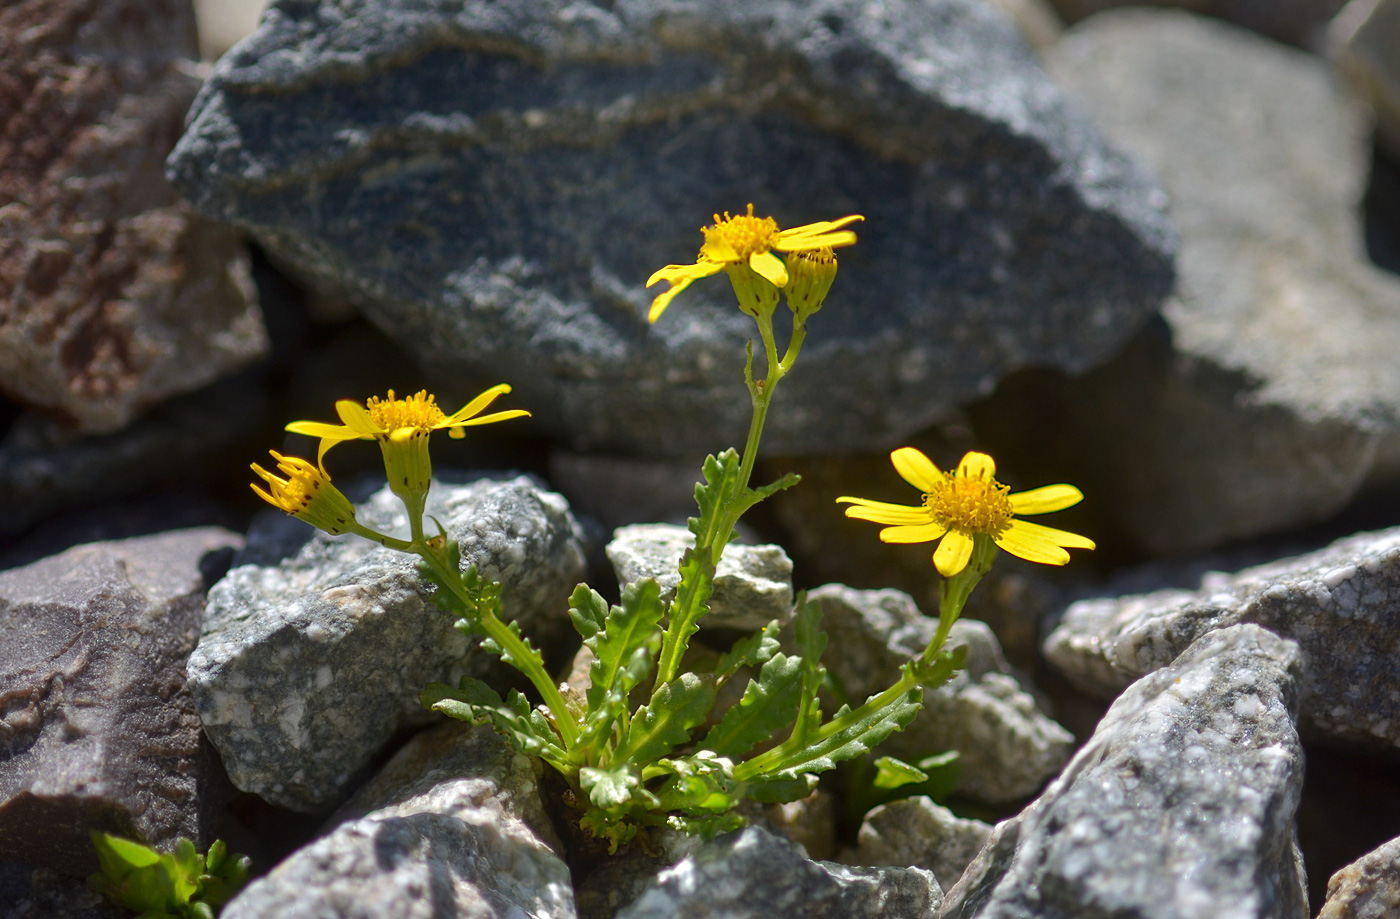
[527, 730]
[699, 783]
[714, 495]
[602, 825]
[752, 496]
[811, 643]
[118, 856]
[892, 773]
[489, 645]
[769, 705]
[692, 601]
[780, 790]
[162, 886]
[706, 826]
[609, 789]
[588, 611]
[665, 722]
[621, 650]
[750, 651]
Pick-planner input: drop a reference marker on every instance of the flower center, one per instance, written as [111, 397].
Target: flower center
[417, 411]
[746, 234]
[970, 505]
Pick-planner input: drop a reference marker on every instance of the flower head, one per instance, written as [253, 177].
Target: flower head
[748, 242]
[960, 506]
[306, 493]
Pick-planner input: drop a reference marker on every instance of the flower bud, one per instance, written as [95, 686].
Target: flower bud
[307, 494]
[810, 273]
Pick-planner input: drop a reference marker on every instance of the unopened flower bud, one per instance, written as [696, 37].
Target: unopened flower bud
[810, 273]
[307, 494]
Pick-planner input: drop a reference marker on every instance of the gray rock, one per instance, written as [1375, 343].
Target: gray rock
[116, 297]
[753, 584]
[1368, 888]
[1364, 40]
[916, 831]
[754, 873]
[313, 655]
[493, 184]
[99, 731]
[1179, 807]
[1298, 22]
[1007, 746]
[1338, 603]
[453, 827]
[41, 893]
[1258, 403]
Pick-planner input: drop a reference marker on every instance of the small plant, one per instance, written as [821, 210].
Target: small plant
[175, 885]
[642, 745]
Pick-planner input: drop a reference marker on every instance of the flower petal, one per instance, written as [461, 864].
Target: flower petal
[770, 267]
[953, 553]
[1036, 543]
[357, 419]
[493, 418]
[801, 237]
[924, 532]
[916, 469]
[687, 273]
[1050, 534]
[1044, 500]
[976, 465]
[880, 512]
[321, 429]
[474, 407]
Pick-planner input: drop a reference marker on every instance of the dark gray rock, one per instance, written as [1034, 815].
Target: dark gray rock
[41, 893]
[916, 831]
[1007, 746]
[1368, 888]
[99, 731]
[754, 873]
[451, 828]
[1179, 807]
[493, 184]
[753, 584]
[1258, 403]
[1338, 603]
[315, 650]
[116, 297]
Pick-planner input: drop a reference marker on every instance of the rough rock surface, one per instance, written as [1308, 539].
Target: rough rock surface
[1338, 603]
[114, 297]
[753, 584]
[452, 827]
[754, 873]
[99, 731]
[1179, 807]
[1365, 42]
[1257, 404]
[916, 831]
[40, 893]
[1006, 745]
[1299, 22]
[494, 183]
[314, 651]
[1368, 888]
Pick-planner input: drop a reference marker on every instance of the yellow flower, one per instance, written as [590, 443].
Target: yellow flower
[391, 420]
[306, 493]
[749, 241]
[960, 506]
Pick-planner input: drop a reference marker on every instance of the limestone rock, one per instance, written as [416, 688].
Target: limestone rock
[1298, 22]
[1368, 888]
[493, 184]
[916, 831]
[1364, 40]
[315, 649]
[1181, 802]
[115, 296]
[99, 731]
[1338, 603]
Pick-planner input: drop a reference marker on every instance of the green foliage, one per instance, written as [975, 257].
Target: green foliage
[176, 885]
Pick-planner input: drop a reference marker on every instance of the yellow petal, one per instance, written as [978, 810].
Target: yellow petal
[321, 429]
[1036, 543]
[1044, 500]
[475, 406]
[802, 237]
[976, 465]
[493, 418]
[770, 267]
[925, 532]
[1050, 534]
[880, 512]
[685, 273]
[357, 419]
[663, 300]
[953, 553]
[916, 469]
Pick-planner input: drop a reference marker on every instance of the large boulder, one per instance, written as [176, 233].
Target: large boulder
[493, 183]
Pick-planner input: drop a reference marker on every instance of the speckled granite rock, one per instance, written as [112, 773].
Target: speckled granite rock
[754, 873]
[1368, 888]
[1179, 807]
[1256, 405]
[753, 584]
[494, 183]
[452, 827]
[916, 831]
[314, 651]
[1338, 603]
[98, 730]
[1007, 746]
[115, 296]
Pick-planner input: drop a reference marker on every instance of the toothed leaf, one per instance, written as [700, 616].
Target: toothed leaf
[750, 651]
[769, 705]
[666, 721]
[620, 649]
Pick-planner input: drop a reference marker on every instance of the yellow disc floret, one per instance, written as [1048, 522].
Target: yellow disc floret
[737, 239]
[417, 411]
[971, 505]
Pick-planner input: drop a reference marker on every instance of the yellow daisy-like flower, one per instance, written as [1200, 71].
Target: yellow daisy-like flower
[962, 505]
[397, 420]
[306, 493]
[749, 240]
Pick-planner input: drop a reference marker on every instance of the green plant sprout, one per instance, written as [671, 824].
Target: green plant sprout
[642, 745]
[176, 885]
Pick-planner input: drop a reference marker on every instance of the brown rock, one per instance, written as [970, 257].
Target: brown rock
[112, 296]
[1368, 888]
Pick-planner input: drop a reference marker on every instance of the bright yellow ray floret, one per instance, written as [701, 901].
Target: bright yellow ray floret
[307, 493]
[400, 419]
[749, 240]
[961, 505]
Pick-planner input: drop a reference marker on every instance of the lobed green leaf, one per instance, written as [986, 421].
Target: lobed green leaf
[750, 651]
[769, 705]
[621, 649]
[666, 721]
